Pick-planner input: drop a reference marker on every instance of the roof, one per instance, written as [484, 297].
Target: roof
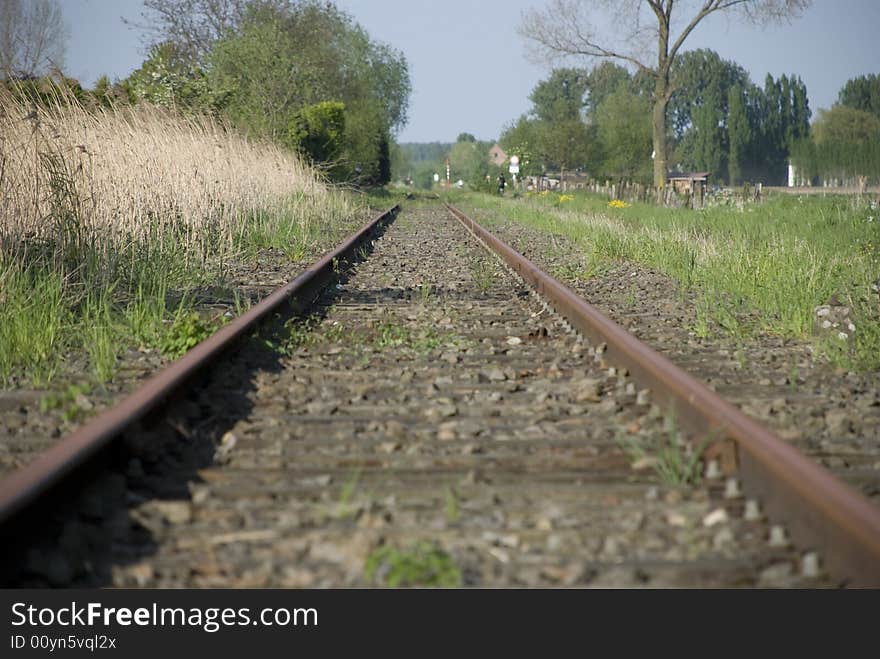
[688, 176]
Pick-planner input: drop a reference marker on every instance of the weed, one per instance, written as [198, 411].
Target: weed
[702, 324]
[741, 358]
[392, 335]
[71, 401]
[423, 564]
[632, 297]
[345, 506]
[426, 291]
[452, 509]
[793, 377]
[675, 460]
[186, 331]
[300, 333]
[482, 272]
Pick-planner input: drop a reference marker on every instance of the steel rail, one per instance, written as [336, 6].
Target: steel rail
[28, 483]
[820, 511]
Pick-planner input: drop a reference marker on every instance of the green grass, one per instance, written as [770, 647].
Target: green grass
[675, 460]
[482, 272]
[34, 323]
[72, 294]
[48, 315]
[187, 330]
[779, 259]
[424, 564]
[383, 335]
[453, 510]
[70, 401]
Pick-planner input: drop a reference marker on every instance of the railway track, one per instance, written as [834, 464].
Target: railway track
[429, 412]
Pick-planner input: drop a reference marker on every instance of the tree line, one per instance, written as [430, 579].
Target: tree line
[600, 121]
[844, 144]
[300, 73]
[648, 35]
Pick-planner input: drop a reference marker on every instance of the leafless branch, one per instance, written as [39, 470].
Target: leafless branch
[33, 35]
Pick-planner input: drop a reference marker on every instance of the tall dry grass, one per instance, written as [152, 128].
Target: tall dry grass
[105, 212]
[136, 173]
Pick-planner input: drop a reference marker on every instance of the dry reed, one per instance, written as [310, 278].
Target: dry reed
[141, 174]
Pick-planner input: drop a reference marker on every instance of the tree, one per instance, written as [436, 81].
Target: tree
[701, 76]
[739, 134]
[845, 145]
[698, 110]
[279, 61]
[569, 28]
[565, 144]
[783, 119]
[33, 35]
[554, 133]
[195, 25]
[468, 161]
[862, 93]
[167, 78]
[624, 127]
[521, 138]
[561, 96]
[845, 125]
[603, 81]
[708, 144]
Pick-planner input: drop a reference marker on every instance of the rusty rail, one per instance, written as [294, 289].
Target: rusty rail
[27, 484]
[819, 510]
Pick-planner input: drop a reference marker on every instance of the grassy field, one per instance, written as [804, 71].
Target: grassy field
[781, 258]
[110, 218]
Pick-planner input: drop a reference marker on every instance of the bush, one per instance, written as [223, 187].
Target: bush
[318, 131]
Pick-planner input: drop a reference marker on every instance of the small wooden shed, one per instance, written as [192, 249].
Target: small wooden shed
[688, 182]
[692, 185]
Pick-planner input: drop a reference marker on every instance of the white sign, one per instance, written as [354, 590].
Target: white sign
[436, 177]
[514, 169]
[514, 160]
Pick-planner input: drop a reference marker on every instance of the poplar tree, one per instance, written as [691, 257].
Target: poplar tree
[739, 134]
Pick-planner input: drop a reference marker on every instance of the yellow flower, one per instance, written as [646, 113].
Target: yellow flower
[617, 203]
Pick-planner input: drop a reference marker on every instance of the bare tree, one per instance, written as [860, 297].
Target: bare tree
[575, 28]
[194, 25]
[33, 37]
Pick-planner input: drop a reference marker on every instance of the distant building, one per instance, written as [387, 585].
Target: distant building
[497, 155]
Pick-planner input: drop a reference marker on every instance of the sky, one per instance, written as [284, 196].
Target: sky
[469, 68]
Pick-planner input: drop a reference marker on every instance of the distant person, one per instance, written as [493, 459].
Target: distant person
[502, 183]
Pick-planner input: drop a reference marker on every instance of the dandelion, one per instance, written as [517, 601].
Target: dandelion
[564, 198]
[617, 203]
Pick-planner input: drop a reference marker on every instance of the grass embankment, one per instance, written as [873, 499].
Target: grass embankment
[781, 258]
[111, 218]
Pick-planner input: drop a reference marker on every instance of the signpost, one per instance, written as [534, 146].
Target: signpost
[514, 168]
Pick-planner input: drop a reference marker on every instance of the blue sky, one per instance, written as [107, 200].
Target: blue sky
[468, 65]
